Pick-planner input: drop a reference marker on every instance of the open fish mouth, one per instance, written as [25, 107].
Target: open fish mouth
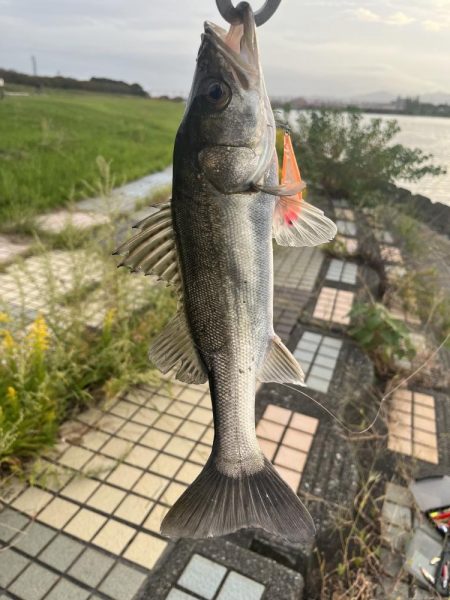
[238, 46]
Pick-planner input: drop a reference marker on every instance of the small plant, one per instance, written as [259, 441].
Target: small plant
[386, 339]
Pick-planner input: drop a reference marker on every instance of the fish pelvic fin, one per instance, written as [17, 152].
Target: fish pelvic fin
[280, 366]
[216, 505]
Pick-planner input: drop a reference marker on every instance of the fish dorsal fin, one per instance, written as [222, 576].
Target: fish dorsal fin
[173, 348]
[296, 222]
[152, 250]
[280, 366]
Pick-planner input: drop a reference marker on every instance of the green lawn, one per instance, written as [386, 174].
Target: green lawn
[49, 144]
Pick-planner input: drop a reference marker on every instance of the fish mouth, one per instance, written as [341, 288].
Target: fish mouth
[238, 46]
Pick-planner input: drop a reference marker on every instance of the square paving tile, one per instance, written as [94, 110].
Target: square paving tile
[269, 430]
[175, 594]
[202, 576]
[66, 590]
[153, 521]
[124, 476]
[91, 567]
[114, 536]
[85, 524]
[11, 565]
[134, 509]
[33, 583]
[34, 538]
[61, 553]
[238, 587]
[75, 457]
[58, 512]
[172, 493]
[166, 465]
[151, 486]
[123, 582]
[32, 500]
[117, 448]
[290, 458]
[11, 523]
[80, 488]
[141, 456]
[277, 414]
[106, 498]
[145, 550]
[100, 466]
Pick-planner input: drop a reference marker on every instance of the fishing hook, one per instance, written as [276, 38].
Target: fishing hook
[233, 14]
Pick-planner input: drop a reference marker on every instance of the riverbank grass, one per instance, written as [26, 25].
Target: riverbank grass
[50, 144]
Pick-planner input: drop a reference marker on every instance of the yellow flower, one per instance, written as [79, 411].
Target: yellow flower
[11, 393]
[4, 318]
[11, 396]
[39, 333]
[109, 318]
[8, 340]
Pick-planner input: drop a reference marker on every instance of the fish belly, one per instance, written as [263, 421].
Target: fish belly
[225, 251]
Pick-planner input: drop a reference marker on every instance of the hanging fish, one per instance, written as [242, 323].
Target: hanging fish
[213, 243]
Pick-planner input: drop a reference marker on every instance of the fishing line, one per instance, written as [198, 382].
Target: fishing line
[394, 389]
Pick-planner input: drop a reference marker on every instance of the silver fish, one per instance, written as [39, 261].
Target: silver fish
[213, 242]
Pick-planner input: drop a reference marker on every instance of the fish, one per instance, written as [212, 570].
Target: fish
[213, 243]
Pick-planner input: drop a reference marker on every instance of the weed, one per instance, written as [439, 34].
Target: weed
[384, 338]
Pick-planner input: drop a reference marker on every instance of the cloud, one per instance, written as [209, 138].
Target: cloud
[398, 18]
[433, 25]
[364, 14]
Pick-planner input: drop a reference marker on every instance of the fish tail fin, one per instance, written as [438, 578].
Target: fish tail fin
[216, 504]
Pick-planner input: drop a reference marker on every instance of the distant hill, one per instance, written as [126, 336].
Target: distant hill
[95, 84]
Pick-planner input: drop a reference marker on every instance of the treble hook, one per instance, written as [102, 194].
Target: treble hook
[233, 14]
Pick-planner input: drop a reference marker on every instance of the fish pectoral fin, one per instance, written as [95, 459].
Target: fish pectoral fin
[295, 222]
[174, 348]
[298, 223]
[280, 366]
[153, 250]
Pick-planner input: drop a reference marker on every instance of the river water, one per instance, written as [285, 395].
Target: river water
[432, 135]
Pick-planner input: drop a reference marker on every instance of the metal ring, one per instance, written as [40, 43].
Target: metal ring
[234, 14]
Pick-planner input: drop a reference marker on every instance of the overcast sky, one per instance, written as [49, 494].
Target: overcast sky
[310, 47]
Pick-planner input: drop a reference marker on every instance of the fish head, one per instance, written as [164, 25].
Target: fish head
[229, 120]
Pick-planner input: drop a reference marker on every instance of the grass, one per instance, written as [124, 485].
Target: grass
[50, 143]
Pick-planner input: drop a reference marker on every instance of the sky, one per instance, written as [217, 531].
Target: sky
[312, 48]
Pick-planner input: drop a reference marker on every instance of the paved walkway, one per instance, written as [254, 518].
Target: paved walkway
[90, 527]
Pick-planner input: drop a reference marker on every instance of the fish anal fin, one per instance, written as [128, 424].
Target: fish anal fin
[173, 348]
[280, 366]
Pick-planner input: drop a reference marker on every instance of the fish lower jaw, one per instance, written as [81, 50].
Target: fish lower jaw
[240, 467]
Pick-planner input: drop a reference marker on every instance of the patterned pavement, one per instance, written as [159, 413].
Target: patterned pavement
[89, 528]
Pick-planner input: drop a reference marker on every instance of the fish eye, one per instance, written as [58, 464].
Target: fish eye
[218, 93]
